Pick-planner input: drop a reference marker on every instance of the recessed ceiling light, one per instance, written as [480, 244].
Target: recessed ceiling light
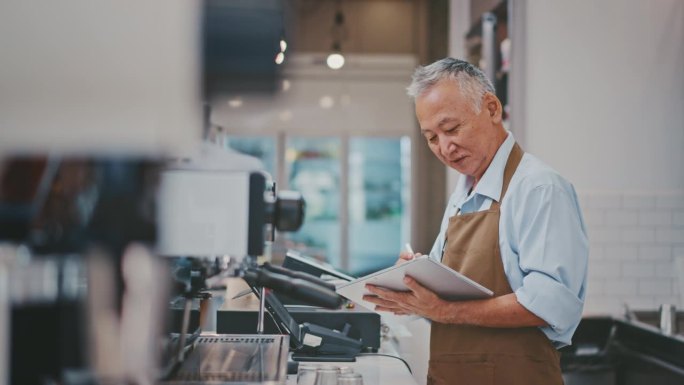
[235, 102]
[326, 102]
[285, 115]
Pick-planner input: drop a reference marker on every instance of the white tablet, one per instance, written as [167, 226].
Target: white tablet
[447, 283]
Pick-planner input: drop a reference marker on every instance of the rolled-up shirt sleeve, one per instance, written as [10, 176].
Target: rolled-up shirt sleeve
[550, 240]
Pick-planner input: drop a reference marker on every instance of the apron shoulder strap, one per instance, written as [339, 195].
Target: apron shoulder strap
[512, 163]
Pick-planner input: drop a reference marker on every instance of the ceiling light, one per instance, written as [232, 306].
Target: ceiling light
[285, 115]
[280, 58]
[339, 32]
[283, 45]
[235, 103]
[335, 60]
[326, 102]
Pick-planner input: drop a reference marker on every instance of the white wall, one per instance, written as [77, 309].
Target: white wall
[606, 91]
[605, 107]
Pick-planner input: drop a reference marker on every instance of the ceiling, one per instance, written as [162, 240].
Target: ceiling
[371, 26]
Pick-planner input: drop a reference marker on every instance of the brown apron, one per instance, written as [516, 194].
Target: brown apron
[479, 355]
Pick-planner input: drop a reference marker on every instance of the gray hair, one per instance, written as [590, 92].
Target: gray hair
[472, 82]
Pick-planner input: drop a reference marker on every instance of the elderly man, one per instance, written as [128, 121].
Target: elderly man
[512, 224]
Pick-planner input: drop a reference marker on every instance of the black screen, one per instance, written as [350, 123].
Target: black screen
[282, 318]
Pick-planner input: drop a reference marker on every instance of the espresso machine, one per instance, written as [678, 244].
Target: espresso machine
[216, 220]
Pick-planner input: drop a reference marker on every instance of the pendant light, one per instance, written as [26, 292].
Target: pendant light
[336, 60]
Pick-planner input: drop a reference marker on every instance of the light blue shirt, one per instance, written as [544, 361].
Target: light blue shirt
[542, 238]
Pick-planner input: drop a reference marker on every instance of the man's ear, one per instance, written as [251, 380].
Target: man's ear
[493, 107]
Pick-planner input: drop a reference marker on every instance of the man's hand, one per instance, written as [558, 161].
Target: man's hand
[406, 256]
[419, 300]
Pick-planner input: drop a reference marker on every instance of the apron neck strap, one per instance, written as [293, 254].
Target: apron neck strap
[512, 163]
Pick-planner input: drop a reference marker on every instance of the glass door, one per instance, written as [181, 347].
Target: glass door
[379, 201]
[313, 168]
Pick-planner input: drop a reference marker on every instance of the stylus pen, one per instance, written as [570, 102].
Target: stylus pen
[408, 248]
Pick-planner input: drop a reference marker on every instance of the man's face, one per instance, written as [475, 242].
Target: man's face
[461, 138]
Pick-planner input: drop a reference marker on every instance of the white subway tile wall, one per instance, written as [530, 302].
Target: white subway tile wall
[636, 252]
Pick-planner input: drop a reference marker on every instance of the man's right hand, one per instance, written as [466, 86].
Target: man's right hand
[406, 256]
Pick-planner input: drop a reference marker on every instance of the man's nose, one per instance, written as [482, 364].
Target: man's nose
[447, 146]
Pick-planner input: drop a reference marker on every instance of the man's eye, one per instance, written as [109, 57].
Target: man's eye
[432, 139]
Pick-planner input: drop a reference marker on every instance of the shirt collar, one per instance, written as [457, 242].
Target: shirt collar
[492, 180]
